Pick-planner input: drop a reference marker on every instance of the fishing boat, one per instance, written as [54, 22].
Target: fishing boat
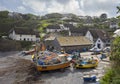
[48, 61]
[53, 67]
[87, 63]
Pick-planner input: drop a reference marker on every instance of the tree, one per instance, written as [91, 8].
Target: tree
[112, 76]
[115, 54]
[103, 16]
[4, 14]
[118, 8]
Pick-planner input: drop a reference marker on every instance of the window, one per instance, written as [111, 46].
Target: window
[99, 46]
[24, 39]
[28, 39]
[20, 35]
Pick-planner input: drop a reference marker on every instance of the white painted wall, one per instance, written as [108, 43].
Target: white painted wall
[53, 30]
[73, 23]
[99, 41]
[23, 37]
[89, 36]
[114, 26]
[12, 35]
[26, 37]
[63, 27]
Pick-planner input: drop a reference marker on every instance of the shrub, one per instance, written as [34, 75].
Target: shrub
[25, 44]
[108, 77]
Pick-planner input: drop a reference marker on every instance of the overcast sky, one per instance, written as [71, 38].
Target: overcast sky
[79, 7]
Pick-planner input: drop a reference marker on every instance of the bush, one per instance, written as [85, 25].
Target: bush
[113, 75]
[25, 44]
[107, 78]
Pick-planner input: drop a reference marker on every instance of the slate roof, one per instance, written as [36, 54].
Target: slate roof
[68, 25]
[24, 31]
[53, 27]
[97, 33]
[73, 41]
[79, 30]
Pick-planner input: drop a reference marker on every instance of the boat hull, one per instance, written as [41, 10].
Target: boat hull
[53, 67]
[87, 65]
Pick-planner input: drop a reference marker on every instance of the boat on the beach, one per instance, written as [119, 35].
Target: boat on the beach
[53, 67]
[29, 52]
[89, 78]
[47, 61]
[87, 63]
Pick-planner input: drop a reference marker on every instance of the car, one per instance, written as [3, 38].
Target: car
[107, 49]
[95, 49]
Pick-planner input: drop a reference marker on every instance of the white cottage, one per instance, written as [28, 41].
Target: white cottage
[58, 28]
[53, 28]
[99, 37]
[24, 34]
[114, 25]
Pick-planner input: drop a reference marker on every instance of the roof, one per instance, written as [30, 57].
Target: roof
[25, 31]
[68, 25]
[116, 33]
[73, 41]
[79, 30]
[97, 33]
[53, 27]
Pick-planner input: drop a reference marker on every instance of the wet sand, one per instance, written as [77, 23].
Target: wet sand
[75, 76]
[69, 76]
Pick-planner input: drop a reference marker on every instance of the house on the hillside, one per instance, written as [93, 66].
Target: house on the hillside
[100, 38]
[15, 15]
[77, 31]
[114, 25]
[21, 34]
[82, 17]
[116, 33]
[58, 28]
[64, 27]
[73, 23]
[53, 28]
[68, 43]
[69, 26]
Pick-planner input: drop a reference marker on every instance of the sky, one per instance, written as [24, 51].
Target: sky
[78, 7]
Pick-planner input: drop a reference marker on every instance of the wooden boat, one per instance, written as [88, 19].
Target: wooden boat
[30, 52]
[88, 64]
[89, 78]
[52, 62]
[53, 67]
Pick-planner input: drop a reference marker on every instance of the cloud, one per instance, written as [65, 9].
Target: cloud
[96, 7]
[21, 8]
[3, 8]
[36, 5]
[49, 6]
[79, 7]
